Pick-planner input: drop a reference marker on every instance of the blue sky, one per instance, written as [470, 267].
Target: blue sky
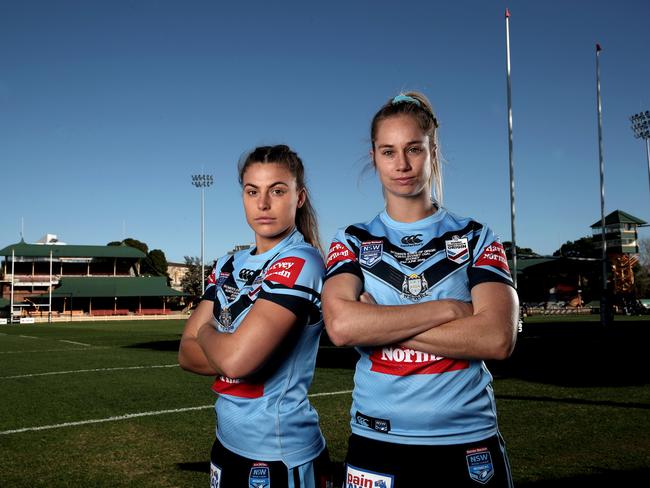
[108, 107]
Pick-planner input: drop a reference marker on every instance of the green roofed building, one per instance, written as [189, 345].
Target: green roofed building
[79, 281]
[620, 233]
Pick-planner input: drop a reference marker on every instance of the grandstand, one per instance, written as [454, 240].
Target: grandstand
[51, 280]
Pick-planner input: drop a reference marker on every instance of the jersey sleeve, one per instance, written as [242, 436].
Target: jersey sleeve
[489, 261]
[343, 257]
[294, 280]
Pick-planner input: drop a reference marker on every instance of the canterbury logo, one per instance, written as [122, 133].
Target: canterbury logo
[412, 240]
[246, 274]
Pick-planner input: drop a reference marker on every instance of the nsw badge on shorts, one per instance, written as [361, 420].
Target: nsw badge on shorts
[479, 464]
[259, 476]
[370, 252]
[457, 249]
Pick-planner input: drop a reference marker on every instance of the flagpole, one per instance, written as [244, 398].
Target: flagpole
[13, 277]
[49, 310]
[604, 305]
[513, 246]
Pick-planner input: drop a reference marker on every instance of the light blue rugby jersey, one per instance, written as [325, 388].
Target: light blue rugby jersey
[267, 416]
[406, 396]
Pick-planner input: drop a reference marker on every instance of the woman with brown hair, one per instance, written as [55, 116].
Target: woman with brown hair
[257, 330]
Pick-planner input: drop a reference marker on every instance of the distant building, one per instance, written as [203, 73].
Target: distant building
[239, 247]
[176, 273]
[622, 246]
[620, 233]
[79, 280]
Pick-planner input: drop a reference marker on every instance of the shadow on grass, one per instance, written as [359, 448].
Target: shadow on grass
[156, 345]
[558, 353]
[579, 354]
[636, 477]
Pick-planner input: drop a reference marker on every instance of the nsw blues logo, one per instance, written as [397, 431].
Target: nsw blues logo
[457, 250]
[370, 253]
[260, 476]
[479, 465]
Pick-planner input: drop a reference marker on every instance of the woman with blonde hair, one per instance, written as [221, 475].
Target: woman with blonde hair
[425, 296]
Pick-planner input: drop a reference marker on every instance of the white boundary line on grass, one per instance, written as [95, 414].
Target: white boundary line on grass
[77, 343]
[29, 337]
[136, 415]
[88, 371]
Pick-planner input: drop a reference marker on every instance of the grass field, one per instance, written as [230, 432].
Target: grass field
[104, 404]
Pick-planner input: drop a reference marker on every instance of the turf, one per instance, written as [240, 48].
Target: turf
[573, 405]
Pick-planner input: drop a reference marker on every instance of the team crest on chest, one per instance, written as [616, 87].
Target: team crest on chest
[415, 287]
[370, 253]
[457, 249]
[225, 318]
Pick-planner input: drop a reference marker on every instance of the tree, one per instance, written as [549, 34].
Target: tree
[521, 251]
[582, 248]
[154, 263]
[642, 270]
[644, 252]
[192, 282]
[129, 241]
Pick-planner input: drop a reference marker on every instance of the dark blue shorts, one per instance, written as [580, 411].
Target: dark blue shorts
[230, 470]
[377, 464]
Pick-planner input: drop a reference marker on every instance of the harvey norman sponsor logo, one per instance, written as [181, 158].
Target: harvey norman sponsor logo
[402, 361]
[494, 255]
[339, 252]
[285, 271]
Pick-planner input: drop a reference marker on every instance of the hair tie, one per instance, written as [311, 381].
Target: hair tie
[401, 98]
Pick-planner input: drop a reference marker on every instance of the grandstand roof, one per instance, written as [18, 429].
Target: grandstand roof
[23, 249]
[619, 217]
[544, 262]
[143, 286]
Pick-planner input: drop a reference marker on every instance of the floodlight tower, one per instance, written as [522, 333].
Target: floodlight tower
[641, 128]
[202, 181]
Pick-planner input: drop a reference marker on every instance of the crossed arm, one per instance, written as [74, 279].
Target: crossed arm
[485, 329]
[204, 350]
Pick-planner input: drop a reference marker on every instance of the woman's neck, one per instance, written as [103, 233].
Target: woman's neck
[263, 244]
[410, 209]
